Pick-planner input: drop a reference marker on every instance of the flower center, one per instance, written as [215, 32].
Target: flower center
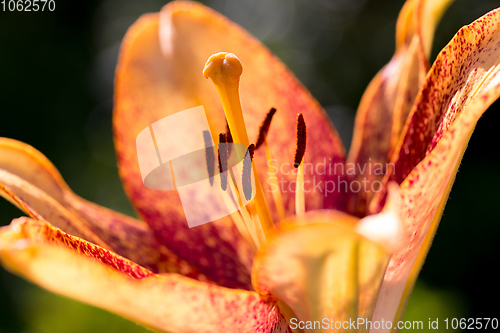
[255, 221]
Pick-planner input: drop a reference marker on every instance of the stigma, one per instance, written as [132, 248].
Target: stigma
[223, 66]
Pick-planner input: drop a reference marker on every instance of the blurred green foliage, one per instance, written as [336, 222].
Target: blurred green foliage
[56, 85]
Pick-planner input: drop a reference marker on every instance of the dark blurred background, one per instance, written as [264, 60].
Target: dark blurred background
[56, 88]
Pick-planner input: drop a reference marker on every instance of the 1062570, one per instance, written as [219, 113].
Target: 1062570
[27, 5]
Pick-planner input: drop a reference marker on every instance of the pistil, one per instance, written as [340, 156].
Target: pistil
[225, 70]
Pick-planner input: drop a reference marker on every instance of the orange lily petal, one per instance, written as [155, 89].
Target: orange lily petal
[74, 268]
[31, 182]
[463, 82]
[321, 266]
[160, 73]
[43, 207]
[388, 99]
[454, 81]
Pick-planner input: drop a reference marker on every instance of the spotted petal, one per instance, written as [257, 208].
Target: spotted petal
[74, 268]
[463, 82]
[31, 182]
[388, 99]
[159, 74]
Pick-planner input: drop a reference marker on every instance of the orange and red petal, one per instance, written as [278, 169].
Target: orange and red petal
[74, 268]
[388, 99]
[458, 76]
[32, 183]
[463, 82]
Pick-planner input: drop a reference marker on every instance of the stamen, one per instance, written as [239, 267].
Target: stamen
[223, 157]
[264, 128]
[247, 218]
[241, 225]
[256, 225]
[209, 155]
[241, 218]
[172, 175]
[300, 205]
[242, 229]
[262, 139]
[225, 70]
[155, 144]
[247, 173]
[301, 140]
[277, 197]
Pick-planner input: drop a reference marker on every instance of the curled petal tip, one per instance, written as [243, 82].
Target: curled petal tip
[223, 63]
[386, 228]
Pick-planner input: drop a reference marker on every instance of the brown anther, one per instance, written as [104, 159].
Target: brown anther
[301, 140]
[247, 173]
[264, 128]
[209, 156]
[223, 156]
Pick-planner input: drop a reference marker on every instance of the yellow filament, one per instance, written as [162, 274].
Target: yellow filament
[172, 175]
[225, 70]
[278, 199]
[247, 218]
[237, 218]
[300, 204]
[242, 228]
[257, 226]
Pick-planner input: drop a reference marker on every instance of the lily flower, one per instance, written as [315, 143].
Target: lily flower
[295, 255]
